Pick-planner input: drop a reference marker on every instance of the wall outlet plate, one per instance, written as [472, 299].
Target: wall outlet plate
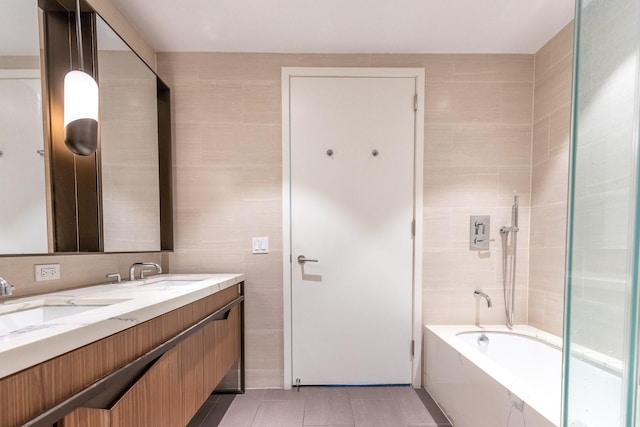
[46, 272]
[260, 245]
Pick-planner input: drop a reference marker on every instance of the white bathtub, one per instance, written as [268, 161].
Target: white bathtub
[514, 380]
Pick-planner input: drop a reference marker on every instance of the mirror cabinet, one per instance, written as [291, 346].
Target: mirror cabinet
[116, 200]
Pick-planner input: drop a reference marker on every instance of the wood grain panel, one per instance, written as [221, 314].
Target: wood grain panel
[57, 378]
[172, 323]
[87, 417]
[221, 348]
[210, 357]
[215, 334]
[154, 400]
[200, 309]
[191, 353]
[22, 397]
[227, 346]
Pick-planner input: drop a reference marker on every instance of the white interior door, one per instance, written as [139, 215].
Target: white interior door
[352, 154]
[23, 217]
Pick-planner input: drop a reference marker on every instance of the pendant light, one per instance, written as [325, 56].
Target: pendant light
[80, 104]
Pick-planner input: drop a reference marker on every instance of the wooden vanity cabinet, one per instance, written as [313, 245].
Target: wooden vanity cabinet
[168, 393]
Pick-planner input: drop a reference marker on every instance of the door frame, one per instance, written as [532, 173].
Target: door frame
[418, 75]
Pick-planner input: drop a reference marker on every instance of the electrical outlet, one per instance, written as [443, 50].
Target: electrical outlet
[47, 272]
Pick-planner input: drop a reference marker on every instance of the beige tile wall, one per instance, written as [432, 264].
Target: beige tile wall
[129, 153]
[478, 154]
[26, 62]
[75, 270]
[477, 157]
[549, 181]
[228, 183]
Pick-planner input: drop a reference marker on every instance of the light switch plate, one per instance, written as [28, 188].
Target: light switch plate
[45, 272]
[260, 245]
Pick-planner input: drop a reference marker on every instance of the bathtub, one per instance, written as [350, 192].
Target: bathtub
[512, 379]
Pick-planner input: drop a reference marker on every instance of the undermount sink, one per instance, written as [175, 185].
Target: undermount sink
[32, 314]
[169, 283]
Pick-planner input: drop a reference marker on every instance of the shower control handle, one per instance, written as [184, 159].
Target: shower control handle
[476, 240]
[302, 259]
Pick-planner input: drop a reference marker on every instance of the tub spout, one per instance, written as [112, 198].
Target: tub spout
[479, 293]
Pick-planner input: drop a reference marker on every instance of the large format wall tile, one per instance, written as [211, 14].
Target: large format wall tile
[549, 181]
[75, 270]
[228, 175]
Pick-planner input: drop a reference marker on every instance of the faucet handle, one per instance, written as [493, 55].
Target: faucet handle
[5, 288]
[477, 240]
[115, 276]
[144, 270]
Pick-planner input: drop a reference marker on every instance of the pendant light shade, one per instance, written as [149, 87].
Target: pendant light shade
[80, 113]
[80, 103]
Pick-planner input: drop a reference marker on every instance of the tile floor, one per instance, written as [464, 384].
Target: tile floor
[322, 406]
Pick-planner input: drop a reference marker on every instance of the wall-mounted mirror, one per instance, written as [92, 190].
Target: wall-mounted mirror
[127, 184]
[23, 212]
[129, 146]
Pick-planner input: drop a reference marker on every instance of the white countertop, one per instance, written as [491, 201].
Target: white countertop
[144, 300]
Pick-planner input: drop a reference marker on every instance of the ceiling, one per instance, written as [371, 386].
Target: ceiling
[19, 32]
[19, 28]
[347, 26]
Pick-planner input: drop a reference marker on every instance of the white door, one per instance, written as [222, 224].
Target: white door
[352, 206]
[23, 217]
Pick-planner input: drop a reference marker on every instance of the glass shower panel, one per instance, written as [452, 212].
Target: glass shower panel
[600, 336]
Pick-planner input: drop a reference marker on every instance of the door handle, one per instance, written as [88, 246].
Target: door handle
[302, 259]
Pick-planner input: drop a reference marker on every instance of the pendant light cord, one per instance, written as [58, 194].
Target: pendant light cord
[79, 36]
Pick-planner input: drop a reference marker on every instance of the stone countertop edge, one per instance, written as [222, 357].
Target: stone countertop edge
[19, 351]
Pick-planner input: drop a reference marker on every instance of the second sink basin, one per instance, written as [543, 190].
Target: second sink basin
[162, 281]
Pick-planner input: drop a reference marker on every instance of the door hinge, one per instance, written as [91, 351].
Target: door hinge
[415, 102]
[413, 228]
[413, 348]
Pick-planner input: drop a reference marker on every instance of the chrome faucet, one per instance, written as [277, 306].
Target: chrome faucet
[5, 288]
[132, 269]
[479, 293]
[115, 276]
